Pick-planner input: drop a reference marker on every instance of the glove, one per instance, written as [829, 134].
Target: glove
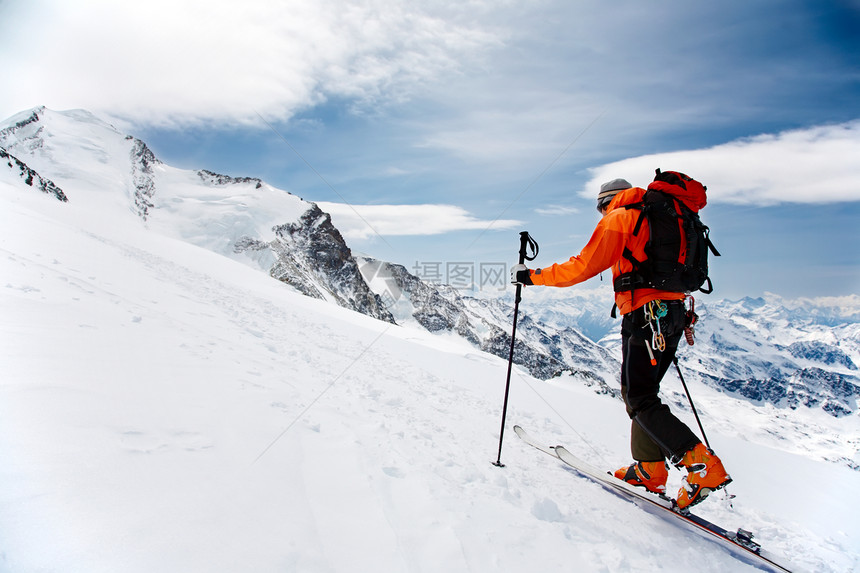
[520, 275]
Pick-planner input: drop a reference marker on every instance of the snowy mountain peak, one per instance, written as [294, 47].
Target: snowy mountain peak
[22, 119]
[76, 122]
[86, 157]
[107, 172]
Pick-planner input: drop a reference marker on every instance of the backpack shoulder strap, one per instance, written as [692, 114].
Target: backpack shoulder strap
[642, 208]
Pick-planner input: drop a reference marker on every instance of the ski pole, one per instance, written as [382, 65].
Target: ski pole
[698, 421]
[526, 242]
[690, 399]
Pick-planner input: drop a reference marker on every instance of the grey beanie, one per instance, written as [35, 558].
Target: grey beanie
[609, 189]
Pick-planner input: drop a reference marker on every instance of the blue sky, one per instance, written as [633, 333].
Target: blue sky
[494, 117]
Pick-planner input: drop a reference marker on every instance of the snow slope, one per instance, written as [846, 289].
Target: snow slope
[782, 377]
[166, 408]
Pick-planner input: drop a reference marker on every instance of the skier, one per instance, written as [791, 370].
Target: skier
[652, 324]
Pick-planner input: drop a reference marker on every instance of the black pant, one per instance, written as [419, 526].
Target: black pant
[655, 433]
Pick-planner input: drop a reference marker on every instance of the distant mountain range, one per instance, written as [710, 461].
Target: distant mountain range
[779, 358]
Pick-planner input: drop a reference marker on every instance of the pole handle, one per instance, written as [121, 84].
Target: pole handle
[527, 243]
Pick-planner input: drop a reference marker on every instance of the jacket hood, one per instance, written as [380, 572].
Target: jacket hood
[626, 197]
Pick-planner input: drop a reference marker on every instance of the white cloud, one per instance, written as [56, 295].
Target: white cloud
[185, 62]
[554, 210]
[815, 165]
[510, 84]
[365, 221]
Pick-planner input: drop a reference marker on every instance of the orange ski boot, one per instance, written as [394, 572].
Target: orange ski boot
[705, 474]
[650, 475]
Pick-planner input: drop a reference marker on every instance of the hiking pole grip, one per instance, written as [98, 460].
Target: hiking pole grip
[526, 243]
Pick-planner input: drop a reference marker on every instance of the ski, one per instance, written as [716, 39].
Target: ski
[739, 543]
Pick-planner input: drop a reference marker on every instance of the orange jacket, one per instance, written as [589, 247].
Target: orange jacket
[613, 233]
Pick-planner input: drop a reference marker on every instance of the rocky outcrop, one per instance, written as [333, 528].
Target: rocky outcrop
[545, 351]
[210, 178]
[142, 176]
[313, 258]
[30, 177]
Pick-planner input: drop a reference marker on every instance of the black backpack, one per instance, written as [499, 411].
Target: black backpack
[677, 248]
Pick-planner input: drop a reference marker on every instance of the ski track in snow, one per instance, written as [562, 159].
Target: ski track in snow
[165, 409]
